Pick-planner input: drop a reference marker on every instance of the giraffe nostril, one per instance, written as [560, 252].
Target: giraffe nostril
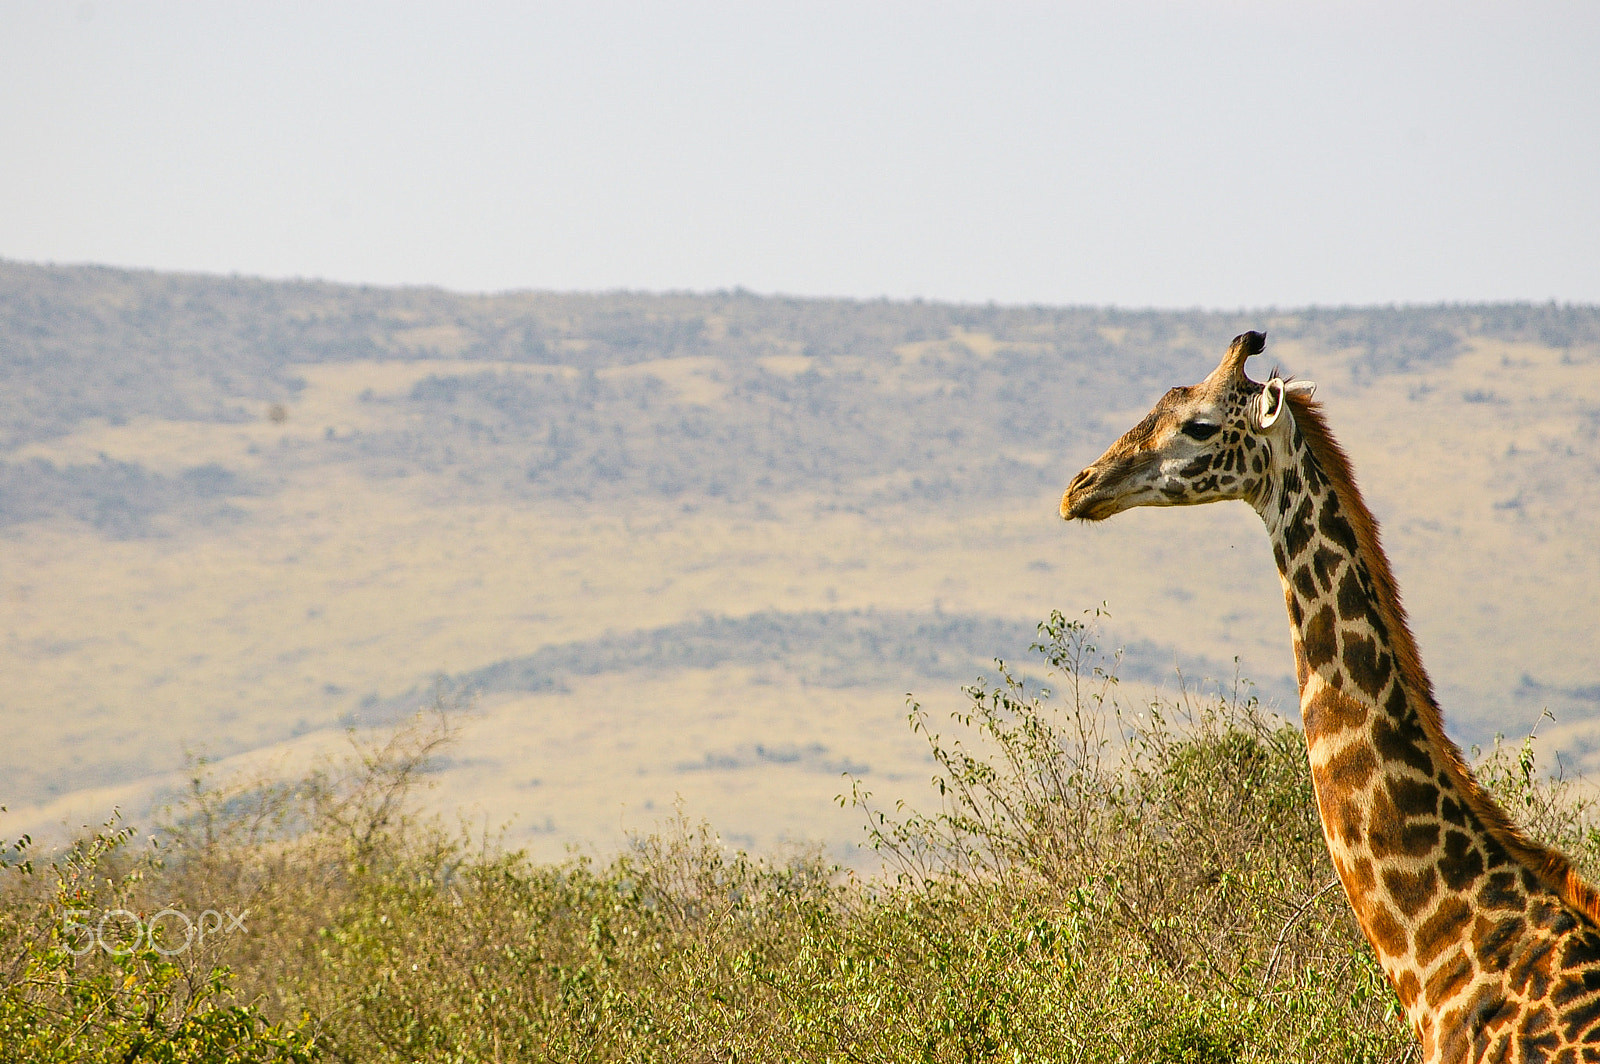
[1075, 490]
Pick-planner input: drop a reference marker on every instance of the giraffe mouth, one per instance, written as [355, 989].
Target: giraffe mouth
[1082, 502]
[1086, 509]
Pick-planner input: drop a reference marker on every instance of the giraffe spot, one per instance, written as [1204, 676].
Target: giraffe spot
[1256, 464]
[1367, 665]
[1361, 878]
[1530, 974]
[1579, 1020]
[1558, 920]
[1347, 821]
[1387, 935]
[1302, 672]
[1321, 641]
[1446, 982]
[1375, 619]
[1493, 941]
[1500, 891]
[1355, 595]
[1410, 891]
[1305, 583]
[1413, 796]
[1580, 951]
[1226, 465]
[1403, 740]
[1395, 704]
[1442, 929]
[1174, 491]
[1290, 482]
[1299, 531]
[1325, 562]
[1408, 986]
[1541, 907]
[1490, 1010]
[1200, 464]
[1461, 864]
[1315, 480]
[1454, 1045]
[1383, 825]
[1486, 1013]
[1494, 854]
[1547, 914]
[1453, 812]
[1574, 987]
[1330, 712]
[1496, 1052]
[1406, 839]
[1352, 767]
[1536, 1034]
[1333, 525]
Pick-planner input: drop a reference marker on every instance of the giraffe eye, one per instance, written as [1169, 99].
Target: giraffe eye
[1199, 430]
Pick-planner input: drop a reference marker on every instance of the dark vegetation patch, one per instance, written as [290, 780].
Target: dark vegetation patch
[123, 500]
[822, 648]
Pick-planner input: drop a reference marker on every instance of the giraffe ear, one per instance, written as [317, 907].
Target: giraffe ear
[1301, 389]
[1270, 406]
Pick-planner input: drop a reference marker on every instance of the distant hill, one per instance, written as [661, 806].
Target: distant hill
[234, 513]
[910, 399]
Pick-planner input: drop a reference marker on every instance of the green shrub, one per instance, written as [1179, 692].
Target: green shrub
[1182, 836]
[81, 987]
[1094, 882]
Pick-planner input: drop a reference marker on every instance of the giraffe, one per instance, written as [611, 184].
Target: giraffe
[1490, 939]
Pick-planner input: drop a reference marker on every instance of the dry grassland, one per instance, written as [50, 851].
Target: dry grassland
[255, 638]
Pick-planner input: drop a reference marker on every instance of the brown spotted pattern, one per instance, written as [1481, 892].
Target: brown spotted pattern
[1490, 940]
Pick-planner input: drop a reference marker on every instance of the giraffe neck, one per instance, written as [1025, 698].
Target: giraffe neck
[1422, 851]
[1346, 621]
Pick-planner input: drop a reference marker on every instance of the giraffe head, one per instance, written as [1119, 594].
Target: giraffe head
[1204, 443]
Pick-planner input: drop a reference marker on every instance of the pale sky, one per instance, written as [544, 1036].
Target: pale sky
[1217, 154]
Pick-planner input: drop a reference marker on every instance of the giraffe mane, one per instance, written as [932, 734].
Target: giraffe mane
[1548, 865]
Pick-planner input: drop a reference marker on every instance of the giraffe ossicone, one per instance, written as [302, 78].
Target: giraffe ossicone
[1490, 939]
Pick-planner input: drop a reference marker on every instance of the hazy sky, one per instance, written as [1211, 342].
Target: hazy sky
[1218, 154]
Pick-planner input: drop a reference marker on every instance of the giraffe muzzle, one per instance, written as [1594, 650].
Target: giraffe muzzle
[1079, 503]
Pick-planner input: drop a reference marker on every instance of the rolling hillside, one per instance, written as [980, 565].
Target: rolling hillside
[703, 545]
